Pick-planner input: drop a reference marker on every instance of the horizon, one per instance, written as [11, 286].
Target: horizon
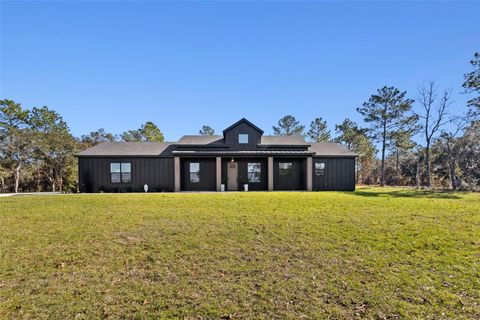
[215, 63]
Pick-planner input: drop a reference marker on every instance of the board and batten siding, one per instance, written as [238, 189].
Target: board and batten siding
[339, 174]
[157, 173]
[208, 175]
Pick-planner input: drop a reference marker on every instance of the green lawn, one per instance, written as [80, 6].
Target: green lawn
[373, 253]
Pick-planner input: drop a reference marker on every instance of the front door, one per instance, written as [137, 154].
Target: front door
[232, 175]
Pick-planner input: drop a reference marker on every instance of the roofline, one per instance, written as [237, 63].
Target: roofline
[240, 121]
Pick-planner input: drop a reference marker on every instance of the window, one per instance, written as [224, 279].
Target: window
[254, 170]
[243, 138]
[194, 172]
[319, 168]
[120, 172]
[126, 172]
[284, 168]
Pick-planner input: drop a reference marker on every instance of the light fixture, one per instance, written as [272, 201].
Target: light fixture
[232, 160]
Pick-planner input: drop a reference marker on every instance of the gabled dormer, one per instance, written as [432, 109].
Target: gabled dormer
[242, 135]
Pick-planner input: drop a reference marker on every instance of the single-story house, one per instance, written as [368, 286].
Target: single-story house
[241, 156]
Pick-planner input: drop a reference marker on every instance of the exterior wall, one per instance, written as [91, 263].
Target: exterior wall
[157, 173]
[207, 174]
[339, 174]
[243, 173]
[296, 181]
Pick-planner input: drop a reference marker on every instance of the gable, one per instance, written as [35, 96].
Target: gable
[243, 129]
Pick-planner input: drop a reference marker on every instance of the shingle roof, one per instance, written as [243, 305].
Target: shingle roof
[242, 152]
[199, 139]
[331, 149]
[126, 149]
[282, 140]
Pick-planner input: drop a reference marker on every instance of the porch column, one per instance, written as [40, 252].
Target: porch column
[309, 174]
[177, 173]
[270, 173]
[219, 173]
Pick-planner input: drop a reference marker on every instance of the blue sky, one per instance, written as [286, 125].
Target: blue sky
[117, 65]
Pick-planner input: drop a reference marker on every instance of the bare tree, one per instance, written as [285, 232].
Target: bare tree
[434, 116]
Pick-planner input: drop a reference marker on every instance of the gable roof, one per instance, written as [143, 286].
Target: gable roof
[126, 149]
[331, 149]
[283, 140]
[243, 120]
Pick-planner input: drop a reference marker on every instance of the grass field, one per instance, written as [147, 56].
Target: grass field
[374, 253]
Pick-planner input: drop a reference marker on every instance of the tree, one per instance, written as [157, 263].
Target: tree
[387, 111]
[206, 131]
[318, 130]
[148, 132]
[434, 117]
[54, 146]
[15, 137]
[401, 140]
[355, 139]
[288, 126]
[472, 83]
[96, 137]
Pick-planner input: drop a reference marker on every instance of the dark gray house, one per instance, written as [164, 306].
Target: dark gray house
[241, 156]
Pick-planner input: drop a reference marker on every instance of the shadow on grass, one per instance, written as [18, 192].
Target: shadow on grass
[432, 194]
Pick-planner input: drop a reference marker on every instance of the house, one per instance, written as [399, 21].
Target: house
[241, 156]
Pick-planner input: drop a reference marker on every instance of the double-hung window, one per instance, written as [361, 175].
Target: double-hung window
[254, 170]
[120, 172]
[319, 168]
[194, 170]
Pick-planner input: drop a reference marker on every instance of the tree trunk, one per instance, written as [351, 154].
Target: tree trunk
[453, 176]
[417, 173]
[427, 164]
[397, 166]
[17, 176]
[382, 169]
[3, 184]
[38, 180]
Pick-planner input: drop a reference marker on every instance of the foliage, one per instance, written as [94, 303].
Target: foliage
[288, 126]
[206, 131]
[472, 83]
[397, 254]
[318, 131]
[96, 137]
[148, 132]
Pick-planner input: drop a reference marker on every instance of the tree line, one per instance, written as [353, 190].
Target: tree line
[428, 146]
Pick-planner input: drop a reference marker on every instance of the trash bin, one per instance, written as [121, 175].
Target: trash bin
[222, 187]
[245, 187]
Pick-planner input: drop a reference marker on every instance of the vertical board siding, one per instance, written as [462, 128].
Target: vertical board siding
[296, 181]
[157, 173]
[207, 175]
[339, 174]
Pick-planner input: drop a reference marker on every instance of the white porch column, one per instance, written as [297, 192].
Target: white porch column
[219, 173]
[309, 174]
[270, 173]
[176, 164]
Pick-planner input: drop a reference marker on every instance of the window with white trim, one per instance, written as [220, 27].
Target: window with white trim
[194, 170]
[254, 170]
